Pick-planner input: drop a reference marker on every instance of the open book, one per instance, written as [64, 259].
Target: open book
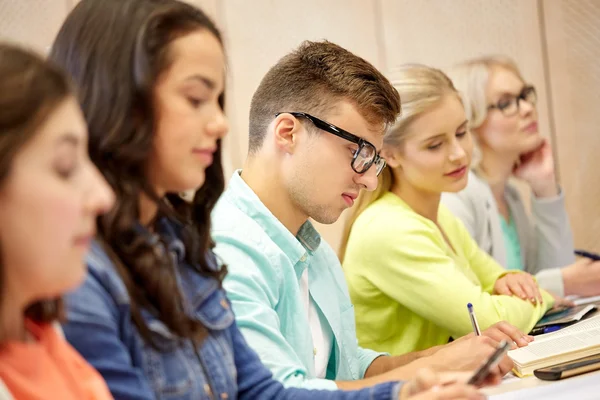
[573, 342]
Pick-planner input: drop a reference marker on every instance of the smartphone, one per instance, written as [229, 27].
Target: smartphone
[587, 254]
[568, 369]
[484, 369]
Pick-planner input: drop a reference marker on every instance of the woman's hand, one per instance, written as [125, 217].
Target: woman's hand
[582, 278]
[537, 169]
[521, 284]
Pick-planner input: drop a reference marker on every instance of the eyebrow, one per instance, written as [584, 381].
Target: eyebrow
[68, 138]
[209, 83]
[501, 94]
[443, 134]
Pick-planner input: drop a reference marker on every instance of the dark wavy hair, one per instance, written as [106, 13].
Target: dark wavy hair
[30, 91]
[115, 50]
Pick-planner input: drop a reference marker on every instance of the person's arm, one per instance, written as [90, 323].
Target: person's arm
[92, 328]
[252, 285]
[553, 230]
[387, 363]
[414, 269]
[255, 381]
[554, 236]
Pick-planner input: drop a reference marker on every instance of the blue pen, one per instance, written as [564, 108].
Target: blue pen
[545, 329]
[587, 254]
[473, 319]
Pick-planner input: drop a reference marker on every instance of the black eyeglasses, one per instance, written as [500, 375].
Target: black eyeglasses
[366, 154]
[509, 106]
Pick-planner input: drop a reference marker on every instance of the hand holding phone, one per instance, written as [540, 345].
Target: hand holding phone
[485, 369]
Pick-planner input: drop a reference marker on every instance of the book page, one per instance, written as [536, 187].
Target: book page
[577, 337]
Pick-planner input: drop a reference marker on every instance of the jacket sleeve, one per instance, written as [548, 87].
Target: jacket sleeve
[255, 381]
[414, 269]
[92, 328]
[553, 230]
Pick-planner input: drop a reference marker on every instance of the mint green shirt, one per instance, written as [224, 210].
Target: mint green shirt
[265, 263]
[512, 244]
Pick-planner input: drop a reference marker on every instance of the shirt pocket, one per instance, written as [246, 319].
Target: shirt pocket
[171, 370]
[217, 350]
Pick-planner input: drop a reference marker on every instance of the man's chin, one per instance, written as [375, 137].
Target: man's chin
[329, 218]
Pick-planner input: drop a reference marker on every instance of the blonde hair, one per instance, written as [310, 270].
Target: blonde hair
[421, 89]
[471, 78]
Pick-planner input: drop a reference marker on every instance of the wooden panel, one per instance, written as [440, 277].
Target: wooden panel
[573, 36]
[33, 23]
[441, 33]
[260, 32]
[210, 7]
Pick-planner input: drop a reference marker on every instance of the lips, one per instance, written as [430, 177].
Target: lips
[458, 173]
[205, 155]
[349, 198]
[531, 128]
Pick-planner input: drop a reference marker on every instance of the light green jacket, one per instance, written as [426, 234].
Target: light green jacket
[411, 289]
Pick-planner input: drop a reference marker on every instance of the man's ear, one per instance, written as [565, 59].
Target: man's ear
[286, 131]
[392, 156]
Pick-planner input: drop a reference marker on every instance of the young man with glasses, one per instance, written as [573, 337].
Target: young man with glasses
[316, 128]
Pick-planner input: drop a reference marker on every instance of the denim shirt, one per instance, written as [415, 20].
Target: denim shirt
[99, 326]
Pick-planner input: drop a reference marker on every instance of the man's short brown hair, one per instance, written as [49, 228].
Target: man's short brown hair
[313, 79]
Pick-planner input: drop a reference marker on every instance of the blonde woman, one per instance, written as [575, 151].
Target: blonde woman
[501, 108]
[411, 266]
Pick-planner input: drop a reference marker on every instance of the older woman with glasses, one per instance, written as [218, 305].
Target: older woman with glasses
[502, 114]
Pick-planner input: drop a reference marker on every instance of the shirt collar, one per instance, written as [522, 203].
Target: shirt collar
[307, 239]
[169, 231]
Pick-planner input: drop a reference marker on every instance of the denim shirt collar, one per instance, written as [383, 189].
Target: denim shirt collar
[295, 247]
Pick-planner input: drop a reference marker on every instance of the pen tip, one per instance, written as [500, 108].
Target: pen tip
[469, 305]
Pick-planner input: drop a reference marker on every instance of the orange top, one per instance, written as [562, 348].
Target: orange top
[48, 368]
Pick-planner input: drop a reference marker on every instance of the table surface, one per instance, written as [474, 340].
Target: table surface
[512, 384]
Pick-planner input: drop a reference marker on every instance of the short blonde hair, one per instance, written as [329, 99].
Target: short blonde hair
[421, 89]
[471, 78]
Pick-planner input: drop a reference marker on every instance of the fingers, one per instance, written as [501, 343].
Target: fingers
[424, 379]
[492, 380]
[521, 285]
[502, 288]
[536, 289]
[505, 366]
[516, 288]
[530, 287]
[561, 301]
[532, 291]
[505, 331]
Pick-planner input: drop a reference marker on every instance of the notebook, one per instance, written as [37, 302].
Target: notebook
[565, 316]
[576, 341]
